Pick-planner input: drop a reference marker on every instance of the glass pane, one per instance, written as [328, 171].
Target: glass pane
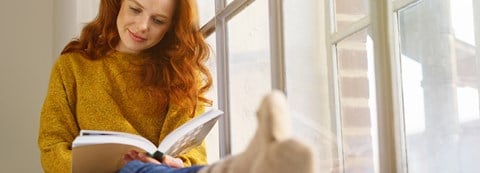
[440, 73]
[348, 12]
[307, 79]
[357, 102]
[249, 69]
[212, 140]
[229, 1]
[206, 10]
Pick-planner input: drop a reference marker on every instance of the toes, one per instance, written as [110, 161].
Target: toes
[273, 117]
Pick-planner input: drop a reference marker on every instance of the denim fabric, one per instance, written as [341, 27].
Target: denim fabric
[140, 167]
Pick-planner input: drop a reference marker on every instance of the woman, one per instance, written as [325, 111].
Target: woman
[138, 67]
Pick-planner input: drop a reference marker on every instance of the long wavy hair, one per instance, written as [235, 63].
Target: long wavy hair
[175, 66]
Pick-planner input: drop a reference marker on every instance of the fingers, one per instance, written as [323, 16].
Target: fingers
[167, 160]
[127, 158]
[147, 159]
[172, 162]
[135, 155]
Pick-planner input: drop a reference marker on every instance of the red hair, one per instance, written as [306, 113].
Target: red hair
[175, 65]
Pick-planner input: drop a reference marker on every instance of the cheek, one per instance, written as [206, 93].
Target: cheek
[123, 18]
[120, 20]
[159, 35]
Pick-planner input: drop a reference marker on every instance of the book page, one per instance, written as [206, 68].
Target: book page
[103, 151]
[93, 137]
[100, 158]
[189, 135]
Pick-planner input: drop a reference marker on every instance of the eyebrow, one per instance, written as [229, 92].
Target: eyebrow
[155, 14]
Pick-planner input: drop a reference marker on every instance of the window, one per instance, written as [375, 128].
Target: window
[389, 86]
[439, 60]
[242, 66]
[357, 103]
[249, 62]
[429, 84]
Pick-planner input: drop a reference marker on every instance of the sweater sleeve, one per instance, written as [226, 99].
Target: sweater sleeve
[58, 126]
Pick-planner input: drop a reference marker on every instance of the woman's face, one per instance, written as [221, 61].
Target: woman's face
[142, 24]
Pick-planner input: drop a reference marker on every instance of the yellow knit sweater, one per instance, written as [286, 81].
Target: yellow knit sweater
[103, 94]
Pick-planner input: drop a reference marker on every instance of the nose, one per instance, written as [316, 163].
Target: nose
[142, 23]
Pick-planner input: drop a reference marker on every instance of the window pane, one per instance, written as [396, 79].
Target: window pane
[357, 102]
[212, 140]
[249, 69]
[439, 59]
[206, 10]
[348, 12]
[307, 79]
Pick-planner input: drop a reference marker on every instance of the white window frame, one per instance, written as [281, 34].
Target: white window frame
[218, 24]
[390, 150]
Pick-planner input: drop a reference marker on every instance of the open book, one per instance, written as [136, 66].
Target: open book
[103, 151]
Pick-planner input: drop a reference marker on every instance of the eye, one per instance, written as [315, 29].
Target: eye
[135, 10]
[158, 21]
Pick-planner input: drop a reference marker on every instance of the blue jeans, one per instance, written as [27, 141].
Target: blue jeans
[140, 167]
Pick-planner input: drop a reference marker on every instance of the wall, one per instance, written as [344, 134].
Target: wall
[68, 19]
[32, 34]
[307, 77]
[25, 53]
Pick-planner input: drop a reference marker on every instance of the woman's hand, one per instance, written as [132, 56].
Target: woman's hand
[135, 155]
[167, 160]
[172, 161]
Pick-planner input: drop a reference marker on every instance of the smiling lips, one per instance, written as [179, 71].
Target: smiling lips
[136, 37]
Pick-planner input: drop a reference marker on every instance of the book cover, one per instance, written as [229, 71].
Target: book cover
[103, 151]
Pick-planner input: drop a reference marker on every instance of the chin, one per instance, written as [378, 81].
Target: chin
[135, 49]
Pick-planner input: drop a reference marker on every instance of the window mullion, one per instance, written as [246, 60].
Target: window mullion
[381, 24]
[223, 80]
[334, 96]
[400, 4]
[277, 46]
[476, 26]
